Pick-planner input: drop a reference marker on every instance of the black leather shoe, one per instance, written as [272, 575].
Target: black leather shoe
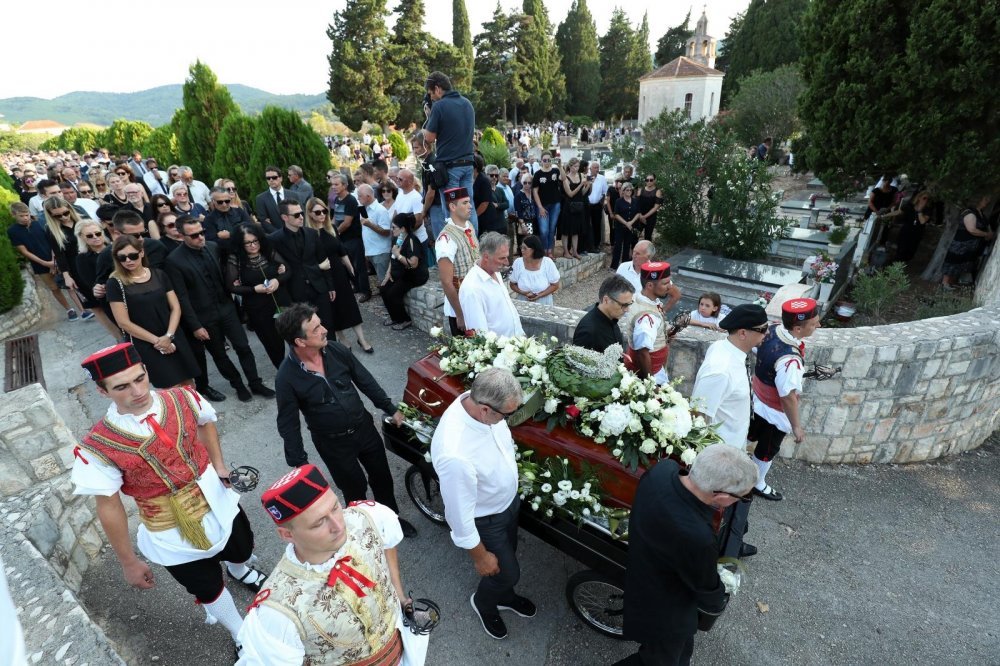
[243, 393]
[211, 394]
[261, 390]
[747, 550]
[409, 531]
[492, 623]
[768, 493]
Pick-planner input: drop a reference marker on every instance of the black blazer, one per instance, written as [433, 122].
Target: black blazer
[215, 222]
[308, 280]
[267, 210]
[202, 293]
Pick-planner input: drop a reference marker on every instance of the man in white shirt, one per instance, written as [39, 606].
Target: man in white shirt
[375, 230]
[515, 171]
[643, 253]
[190, 519]
[318, 586]
[155, 179]
[473, 455]
[485, 298]
[409, 200]
[598, 190]
[721, 394]
[198, 191]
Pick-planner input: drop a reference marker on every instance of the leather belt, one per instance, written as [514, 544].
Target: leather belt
[458, 163]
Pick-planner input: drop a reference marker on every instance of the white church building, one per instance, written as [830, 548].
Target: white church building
[689, 82]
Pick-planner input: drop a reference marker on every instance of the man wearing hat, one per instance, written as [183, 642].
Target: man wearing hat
[777, 385]
[721, 394]
[161, 447]
[457, 252]
[335, 597]
[646, 330]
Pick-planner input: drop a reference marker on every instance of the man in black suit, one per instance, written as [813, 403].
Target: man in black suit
[302, 249]
[672, 552]
[298, 184]
[267, 202]
[222, 220]
[209, 313]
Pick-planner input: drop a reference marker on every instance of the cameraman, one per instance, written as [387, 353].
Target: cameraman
[451, 122]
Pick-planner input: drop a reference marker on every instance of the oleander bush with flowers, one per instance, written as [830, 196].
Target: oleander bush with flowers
[637, 420]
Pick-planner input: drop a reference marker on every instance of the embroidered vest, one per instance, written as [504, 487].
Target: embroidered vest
[642, 307]
[468, 250]
[769, 352]
[336, 625]
[151, 467]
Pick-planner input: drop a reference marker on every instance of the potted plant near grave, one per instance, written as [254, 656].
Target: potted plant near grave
[836, 239]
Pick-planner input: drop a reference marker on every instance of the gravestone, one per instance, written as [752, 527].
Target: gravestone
[736, 281]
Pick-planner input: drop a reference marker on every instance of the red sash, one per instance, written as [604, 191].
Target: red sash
[657, 359]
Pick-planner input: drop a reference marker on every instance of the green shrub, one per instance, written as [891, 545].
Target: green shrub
[11, 280]
[581, 120]
[6, 182]
[873, 293]
[838, 235]
[545, 141]
[162, 144]
[233, 150]
[493, 154]
[7, 197]
[281, 139]
[492, 136]
[400, 149]
[799, 147]
[945, 304]
[742, 211]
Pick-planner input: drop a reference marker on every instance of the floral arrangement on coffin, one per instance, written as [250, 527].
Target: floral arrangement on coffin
[823, 269]
[551, 486]
[523, 356]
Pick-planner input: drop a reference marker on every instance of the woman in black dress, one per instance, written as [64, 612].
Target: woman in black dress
[60, 220]
[91, 241]
[116, 190]
[650, 198]
[407, 269]
[626, 215]
[346, 313]
[970, 239]
[573, 219]
[257, 274]
[147, 310]
[160, 204]
[915, 214]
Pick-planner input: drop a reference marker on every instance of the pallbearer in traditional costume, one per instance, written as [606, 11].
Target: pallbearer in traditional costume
[777, 386]
[646, 331]
[335, 597]
[161, 448]
[457, 251]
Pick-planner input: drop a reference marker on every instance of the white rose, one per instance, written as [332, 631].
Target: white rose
[565, 485]
[534, 506]
[491, 336]
[435, 331]
[548, 513]
[638, 407]
[551, 405]
[546, 474]
[574, 494]
[585, 511]
[445, 365]
[616, 394]
[559, 499]
[616, 452]
[546, 487]
[688, 456]
[535, 372]
[648, 446]
[699, 422]
[652, 405]
[427, 456]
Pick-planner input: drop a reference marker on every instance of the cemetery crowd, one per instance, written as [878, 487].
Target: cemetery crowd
[174, 267]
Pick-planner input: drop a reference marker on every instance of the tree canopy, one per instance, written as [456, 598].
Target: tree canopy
[618, 95]
[673, 41]
[280, 139]
[496, 66]
[461, 38]
[576, 39]
[206, 105]
[765, 106]
[233, 153]
[538, 75]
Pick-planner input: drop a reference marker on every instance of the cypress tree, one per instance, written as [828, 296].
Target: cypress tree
[360, 73]
[461, 37]
[280, 139]
[576, 39]
[616, 47]
[161, 144]
[767, 39]
[234, 151]
[206, 105]
[495, 67]
[640, 60]
[539, 80]
[124, 136]
[409, 49]
[672, 43]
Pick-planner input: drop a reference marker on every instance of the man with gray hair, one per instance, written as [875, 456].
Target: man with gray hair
[473, 455]
[303, 190]
[643, 252]
[484, 297]
[197, 190]
[375, 229]
[671, 573]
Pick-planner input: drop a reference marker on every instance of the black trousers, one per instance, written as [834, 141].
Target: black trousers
[228, 326]
[736, 526]
[624, 242]
[671, 651]
[356, 253]
[647, 232]
[455, 330]
[393, 294]
[767, 436]
[261, 321]
[498, 534]
[350, 457]
[203, 578]
[596, 226]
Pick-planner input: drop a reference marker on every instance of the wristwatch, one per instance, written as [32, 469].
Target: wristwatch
[171, 336]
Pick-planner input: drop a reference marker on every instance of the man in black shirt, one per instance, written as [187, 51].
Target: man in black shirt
[318, 379]
[598, 329]
[222, 220]
[450, 126]
[348, 225]
[672, 552]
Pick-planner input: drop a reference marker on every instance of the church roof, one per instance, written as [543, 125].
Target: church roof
[680, 67]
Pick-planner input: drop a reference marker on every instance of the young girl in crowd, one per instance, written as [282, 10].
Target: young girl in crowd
[709, 311]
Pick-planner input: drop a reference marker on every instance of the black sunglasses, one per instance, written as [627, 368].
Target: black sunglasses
[760, 329]
[62, 216]
[742, 498]
[318, 211]
[92, 235]
[294, 215]
[131, 256]
[273, 177]
[226, 202]
[500, 411]
[197, 234]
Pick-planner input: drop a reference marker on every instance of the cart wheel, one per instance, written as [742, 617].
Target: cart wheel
[598, 601]
[425, 491]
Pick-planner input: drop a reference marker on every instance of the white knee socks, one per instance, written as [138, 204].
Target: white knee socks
[762, 468]
[224, 610]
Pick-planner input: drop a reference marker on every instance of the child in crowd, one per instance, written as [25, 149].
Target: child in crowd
[709, 312]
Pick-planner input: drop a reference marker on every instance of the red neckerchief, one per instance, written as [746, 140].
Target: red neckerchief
[349, 576]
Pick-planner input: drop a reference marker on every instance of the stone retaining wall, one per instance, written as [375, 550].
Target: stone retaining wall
[24, 316]
[907, 392]
[49, 536]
